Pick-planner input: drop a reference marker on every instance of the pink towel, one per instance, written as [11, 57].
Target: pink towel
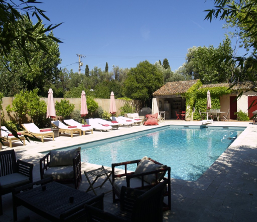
[85, 125]
[9, 134]
[105, 124]
[129, 120]
[45, 130]
[114, 122]
[72, 126]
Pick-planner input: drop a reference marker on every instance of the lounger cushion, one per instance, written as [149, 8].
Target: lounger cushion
[60, 173]
[134, 183]
[62, 158]
[146, 165]
[12, 180]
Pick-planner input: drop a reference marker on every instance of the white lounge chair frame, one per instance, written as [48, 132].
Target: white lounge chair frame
[32, 129]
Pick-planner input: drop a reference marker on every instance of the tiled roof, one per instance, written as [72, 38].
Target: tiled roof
[239, 86]
[173, 88]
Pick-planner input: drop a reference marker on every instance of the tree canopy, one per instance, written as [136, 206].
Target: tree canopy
[142, 81]
[209, 64]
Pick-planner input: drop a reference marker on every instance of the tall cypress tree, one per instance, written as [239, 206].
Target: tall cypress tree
[106, 67]
[166, 64]
[87, 71]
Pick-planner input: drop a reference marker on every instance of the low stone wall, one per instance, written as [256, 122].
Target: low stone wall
[104, 103]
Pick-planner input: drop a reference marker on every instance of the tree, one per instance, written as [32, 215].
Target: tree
[142, 81]
[243, 16]
[87, 71]
[166, 64]
[12, 15]
[106, 67]
[209, 64]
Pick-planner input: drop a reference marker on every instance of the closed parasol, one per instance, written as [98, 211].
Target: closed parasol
[50, 105]
[112, 109]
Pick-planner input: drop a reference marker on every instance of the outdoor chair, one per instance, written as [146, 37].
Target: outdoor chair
[97, 126]
[84, 127]
[226, 117]
[66, 129]
[148, 174]
[121, 121]
[12, 173]
[32, 129]
[7, 136]
[177, 115]
[135, 205]
[62, 166]
[104, 122]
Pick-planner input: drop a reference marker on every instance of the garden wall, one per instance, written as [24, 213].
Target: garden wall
[104, 103]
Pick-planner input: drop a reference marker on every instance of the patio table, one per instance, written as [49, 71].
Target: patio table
[51, 200]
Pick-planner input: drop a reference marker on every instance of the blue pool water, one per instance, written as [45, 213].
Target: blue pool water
[188, 151]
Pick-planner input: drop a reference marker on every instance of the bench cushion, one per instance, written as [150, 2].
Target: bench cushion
[59, 173]
[146, 165]
[12, 180]
[62, 158]
[134, 183]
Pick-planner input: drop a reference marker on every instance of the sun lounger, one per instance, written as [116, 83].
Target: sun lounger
[8, 137]
[84, 127]
[97, 126]
[136, 121]
[106, 123]
[122, 122]
[66, 129]
[32, 129]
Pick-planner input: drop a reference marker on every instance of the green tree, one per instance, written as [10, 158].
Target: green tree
[37, 72]
[106, 67]
[87, 71]
[166, 64]
[64, 108]
[242, 15]
[13, 14]
[142, 81]
[209, 64]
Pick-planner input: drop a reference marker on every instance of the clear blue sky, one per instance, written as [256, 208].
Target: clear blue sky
[126, 32]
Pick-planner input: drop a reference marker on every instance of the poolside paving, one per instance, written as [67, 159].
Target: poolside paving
[225, 192]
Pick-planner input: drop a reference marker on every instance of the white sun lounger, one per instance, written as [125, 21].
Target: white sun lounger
[66, 129]
[84, 128]
[8, 137]
[105, 123]
[97, 126]
[32, 129]
[124, 121]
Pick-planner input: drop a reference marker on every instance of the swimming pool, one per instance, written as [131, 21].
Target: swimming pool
[189, 151]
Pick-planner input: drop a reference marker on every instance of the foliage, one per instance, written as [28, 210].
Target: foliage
[241, 116]
[142, 81]
[64, 108]
[99, 112]
[28, 103]
[127, 108]
[106, 115]
[92, 105]
[1, 100]
[191, 96]
[40, 69]
[104, 89]
[76, 116]
[166, 64]
[242, 15]
[201, 100]
[209, 64]
[13, 16]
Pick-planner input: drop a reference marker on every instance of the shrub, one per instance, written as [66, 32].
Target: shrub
[76, 116]
[241, 116]
[64, 108]
[127, 108]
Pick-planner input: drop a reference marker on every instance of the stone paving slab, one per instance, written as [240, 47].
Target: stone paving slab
[225, 192]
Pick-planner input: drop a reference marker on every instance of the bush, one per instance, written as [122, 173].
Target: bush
[64, 108]
[127, 108]
[76, 116]
[241, 116]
